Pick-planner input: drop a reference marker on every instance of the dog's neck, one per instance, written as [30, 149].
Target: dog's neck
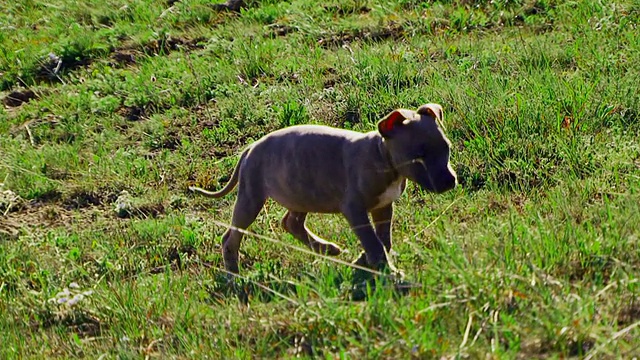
[386, 156]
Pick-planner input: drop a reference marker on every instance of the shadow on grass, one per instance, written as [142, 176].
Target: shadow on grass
[356, 285]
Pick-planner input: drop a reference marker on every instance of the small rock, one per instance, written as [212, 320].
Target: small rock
[123, 204]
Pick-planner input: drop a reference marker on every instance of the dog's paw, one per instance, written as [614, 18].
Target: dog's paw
[361, 260]
[365, 282]
[326, 248]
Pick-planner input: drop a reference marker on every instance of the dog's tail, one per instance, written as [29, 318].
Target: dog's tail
[230, 185]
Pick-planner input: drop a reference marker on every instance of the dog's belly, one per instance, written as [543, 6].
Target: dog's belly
[314, 196]
[307, 203]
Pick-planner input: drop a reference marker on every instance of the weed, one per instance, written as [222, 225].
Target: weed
[111, 110]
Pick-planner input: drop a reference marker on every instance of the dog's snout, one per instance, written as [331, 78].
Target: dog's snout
[439, 182]
[451, 182]
[447, 181]
[454, 177]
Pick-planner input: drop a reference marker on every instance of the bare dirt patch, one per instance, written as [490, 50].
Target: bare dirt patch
[392, 31]
[123, 57]
[36, 215]
[169, 141]
[170, 44]
[77, 208]
[275, 30]
[629, 314]
[51, 68]
[19, 97]
[131, 54]
[176, 254]
[53, 209]
[47, 197]
[132, 113]
[230, 5]
[82, 323]
[80, 199]
[346, 9]
[144, 211]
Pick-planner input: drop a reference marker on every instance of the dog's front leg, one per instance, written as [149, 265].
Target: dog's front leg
[382, 223]
[373, 247]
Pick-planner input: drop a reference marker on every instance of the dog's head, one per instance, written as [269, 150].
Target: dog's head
[418, 148]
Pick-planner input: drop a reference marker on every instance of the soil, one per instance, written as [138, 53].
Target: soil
[19, 97]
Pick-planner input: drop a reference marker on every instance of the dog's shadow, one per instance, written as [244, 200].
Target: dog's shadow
[349, 284]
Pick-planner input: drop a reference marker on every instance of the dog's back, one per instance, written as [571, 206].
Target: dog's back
[305, 167]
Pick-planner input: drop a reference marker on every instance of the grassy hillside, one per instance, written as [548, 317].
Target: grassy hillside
[111, 109]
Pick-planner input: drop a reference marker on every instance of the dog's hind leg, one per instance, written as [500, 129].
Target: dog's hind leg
[294, 223]
[245, 211]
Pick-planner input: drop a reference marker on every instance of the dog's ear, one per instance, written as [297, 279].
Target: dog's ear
[391, 122]
[434, 110]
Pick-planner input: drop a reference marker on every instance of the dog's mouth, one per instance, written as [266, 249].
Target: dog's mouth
[442, 186]
[430, 179]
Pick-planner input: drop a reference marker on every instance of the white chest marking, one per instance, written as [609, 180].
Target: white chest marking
[390, 194]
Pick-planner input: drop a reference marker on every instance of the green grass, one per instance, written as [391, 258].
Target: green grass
[534, 255]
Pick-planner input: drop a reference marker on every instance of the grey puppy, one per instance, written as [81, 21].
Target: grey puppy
[320, 169]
